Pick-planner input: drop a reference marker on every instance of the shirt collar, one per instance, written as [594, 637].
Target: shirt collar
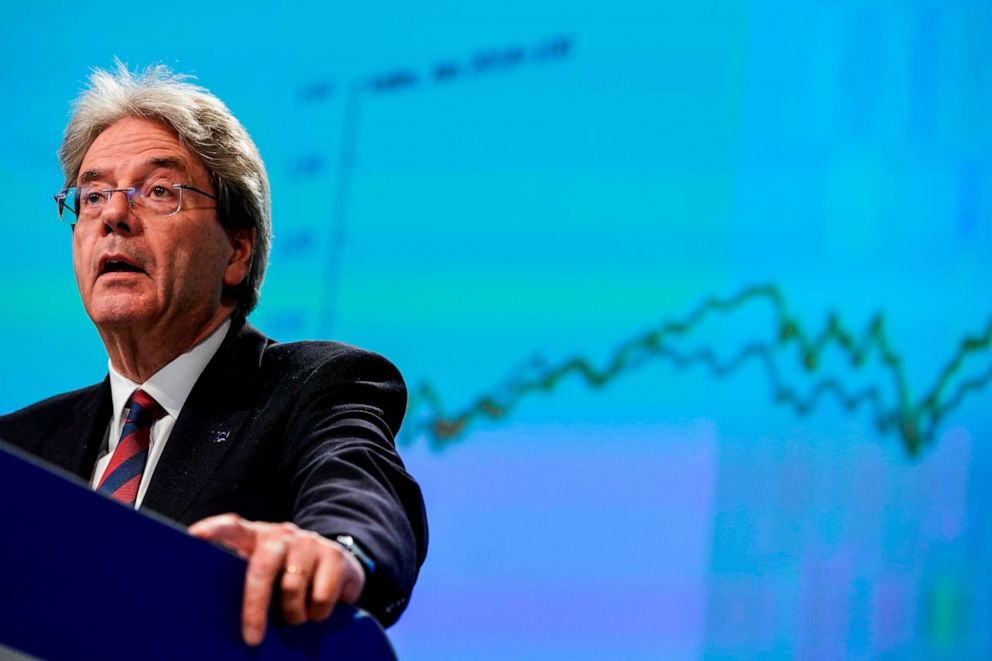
[171, 385]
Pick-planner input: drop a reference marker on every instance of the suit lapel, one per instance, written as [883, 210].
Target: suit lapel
[208, 424]
[93, 412]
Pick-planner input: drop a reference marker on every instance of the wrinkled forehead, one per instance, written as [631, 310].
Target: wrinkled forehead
[131, 148]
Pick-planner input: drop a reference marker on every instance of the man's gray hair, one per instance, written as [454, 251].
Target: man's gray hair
[205, 126]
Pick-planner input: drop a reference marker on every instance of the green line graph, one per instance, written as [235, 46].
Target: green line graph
[915, 421]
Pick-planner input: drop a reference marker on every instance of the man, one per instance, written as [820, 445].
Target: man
[282, 452]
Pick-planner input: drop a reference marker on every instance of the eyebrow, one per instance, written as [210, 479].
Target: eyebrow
[161, 162]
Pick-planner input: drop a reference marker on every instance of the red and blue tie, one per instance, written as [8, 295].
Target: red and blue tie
[123, 476]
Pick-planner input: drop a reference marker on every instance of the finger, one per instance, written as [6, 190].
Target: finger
[229, 530]
[326, 588]
[298, 572]
[339, 578]
[353, 581]
[263, 567]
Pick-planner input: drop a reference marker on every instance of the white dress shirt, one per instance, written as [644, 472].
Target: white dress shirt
[170, 386]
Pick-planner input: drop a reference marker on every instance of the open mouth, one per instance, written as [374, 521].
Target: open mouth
[118, 265]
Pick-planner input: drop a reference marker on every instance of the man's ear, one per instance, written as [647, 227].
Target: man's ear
[243, 243]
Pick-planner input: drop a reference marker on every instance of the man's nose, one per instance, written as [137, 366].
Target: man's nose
[118, 214]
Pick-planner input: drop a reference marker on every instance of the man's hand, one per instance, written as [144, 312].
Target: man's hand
[314, 573]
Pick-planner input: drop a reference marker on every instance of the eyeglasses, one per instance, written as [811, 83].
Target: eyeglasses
[156, 198]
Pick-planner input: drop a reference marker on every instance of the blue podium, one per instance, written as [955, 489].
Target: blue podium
[83, 577]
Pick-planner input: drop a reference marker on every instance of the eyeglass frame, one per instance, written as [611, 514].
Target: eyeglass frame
[61, 196]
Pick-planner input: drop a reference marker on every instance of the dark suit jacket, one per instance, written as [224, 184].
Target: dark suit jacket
[300, 432]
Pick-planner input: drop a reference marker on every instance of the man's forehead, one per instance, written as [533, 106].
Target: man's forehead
[94, 172]
[133, 144]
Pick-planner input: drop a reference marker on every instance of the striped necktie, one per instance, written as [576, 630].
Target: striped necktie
[123, 476]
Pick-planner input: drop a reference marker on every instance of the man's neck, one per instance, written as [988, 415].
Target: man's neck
[138, 354]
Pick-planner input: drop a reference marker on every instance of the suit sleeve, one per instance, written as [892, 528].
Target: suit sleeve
[345, 476]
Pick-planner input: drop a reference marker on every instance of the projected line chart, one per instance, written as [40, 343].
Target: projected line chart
[914, 421]
[793, 356]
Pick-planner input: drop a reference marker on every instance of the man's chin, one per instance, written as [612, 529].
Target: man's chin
[120, 312]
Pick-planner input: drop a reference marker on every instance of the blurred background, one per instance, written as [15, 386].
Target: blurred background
[688, 297]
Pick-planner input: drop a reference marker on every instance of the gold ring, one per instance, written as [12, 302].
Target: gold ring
[295, 569]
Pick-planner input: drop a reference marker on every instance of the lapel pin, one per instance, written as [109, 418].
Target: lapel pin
[219, 436]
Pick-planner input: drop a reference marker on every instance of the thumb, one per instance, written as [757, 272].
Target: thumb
[229, 530]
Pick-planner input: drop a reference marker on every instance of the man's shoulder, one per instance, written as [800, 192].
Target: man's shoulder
[308, 371]
[47, 421]
[54, 405]
[324, 357]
